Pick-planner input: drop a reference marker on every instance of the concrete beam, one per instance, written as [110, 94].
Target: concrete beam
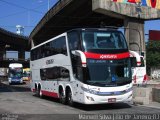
[53, 11]
[122, 10]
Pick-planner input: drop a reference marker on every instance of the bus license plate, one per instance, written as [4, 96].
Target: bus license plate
[111, 100]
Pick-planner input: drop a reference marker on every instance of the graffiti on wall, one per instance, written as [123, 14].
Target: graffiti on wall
[150, 3]
[155, 73]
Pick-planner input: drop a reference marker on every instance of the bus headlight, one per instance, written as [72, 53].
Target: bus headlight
[129, 89]
[89, 90]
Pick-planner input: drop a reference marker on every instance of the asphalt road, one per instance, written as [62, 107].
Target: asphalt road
[17, 102]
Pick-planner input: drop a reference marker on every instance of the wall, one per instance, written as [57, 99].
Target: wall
[149, 3]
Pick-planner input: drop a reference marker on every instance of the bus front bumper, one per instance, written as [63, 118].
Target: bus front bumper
[96, 99]
[16, 81]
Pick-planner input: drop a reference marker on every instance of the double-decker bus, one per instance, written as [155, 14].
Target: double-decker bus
[89, 66]
[15, 73]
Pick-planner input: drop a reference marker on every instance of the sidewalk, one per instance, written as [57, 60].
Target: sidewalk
[154, 84]
[144, 95]
[153, 105]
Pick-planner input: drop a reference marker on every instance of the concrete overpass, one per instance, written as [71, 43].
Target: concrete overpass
[68, 14]
[13, 42]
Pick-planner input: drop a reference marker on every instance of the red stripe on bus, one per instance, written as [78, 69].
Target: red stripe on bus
[107, 56]
[50, 94]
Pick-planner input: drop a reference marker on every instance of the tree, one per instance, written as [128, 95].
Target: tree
[153, 54]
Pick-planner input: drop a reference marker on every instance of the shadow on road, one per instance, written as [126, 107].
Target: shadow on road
[14, 88]
[102, 106]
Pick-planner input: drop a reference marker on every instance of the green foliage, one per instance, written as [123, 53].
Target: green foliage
[153, 54]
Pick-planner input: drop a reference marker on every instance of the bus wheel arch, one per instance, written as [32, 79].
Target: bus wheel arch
[62, 96]
[69, 96]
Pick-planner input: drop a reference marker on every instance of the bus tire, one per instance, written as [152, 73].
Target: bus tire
[40, 92]
[69, 98]
[62, 97]
[36, 90]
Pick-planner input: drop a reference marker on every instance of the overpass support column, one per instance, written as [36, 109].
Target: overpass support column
[2, 53]
[135, 34]
[21, 55]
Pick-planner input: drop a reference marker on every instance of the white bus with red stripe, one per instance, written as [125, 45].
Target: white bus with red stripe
[89, 66]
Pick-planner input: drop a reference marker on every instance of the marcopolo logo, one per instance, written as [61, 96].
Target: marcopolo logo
[51, 61]
[108, 56]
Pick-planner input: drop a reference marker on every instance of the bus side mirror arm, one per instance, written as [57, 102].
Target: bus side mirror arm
[81, 54]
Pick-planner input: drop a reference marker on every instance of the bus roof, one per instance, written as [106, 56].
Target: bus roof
[77, 29]
[15, 65]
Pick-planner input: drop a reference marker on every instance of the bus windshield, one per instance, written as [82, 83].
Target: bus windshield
[15, 72]
[107, 72]
[103, 40]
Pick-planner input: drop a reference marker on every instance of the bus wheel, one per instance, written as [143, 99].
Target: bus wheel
[40, 93]
[62, 97]
[69, 98]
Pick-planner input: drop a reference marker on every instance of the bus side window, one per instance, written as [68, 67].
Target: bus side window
[73, 40]
[43, 74]
[47, 50]
[54, 73]
[59, 46]
[64, 73]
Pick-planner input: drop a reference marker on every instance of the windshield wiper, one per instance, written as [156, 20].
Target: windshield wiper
[96, 83]
[104, 83]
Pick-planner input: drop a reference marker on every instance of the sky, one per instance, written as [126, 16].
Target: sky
[26, 13]
[29, 12]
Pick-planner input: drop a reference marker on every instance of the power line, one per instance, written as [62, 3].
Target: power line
[13, 26]
[18, 12]
[12, 14]
[15, 5]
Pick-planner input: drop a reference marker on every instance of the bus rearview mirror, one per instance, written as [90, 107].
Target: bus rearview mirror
[133, 62]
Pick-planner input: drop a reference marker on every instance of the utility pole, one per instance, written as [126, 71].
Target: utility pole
[48, 4]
